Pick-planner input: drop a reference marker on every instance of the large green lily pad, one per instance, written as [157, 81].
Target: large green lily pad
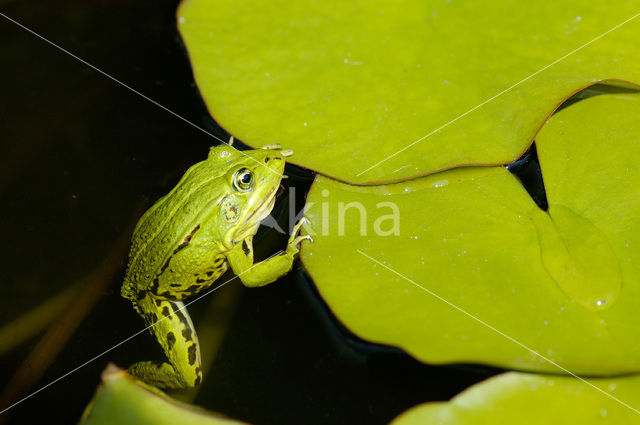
[564, 283]
[122, 400]
[517, 398]
[347, 84]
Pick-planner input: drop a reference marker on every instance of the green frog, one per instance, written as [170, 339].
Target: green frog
[188, 238]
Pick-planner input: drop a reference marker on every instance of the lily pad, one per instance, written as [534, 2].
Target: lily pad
[518, 398]
[471, 250]
[122, 400]
[349, 84]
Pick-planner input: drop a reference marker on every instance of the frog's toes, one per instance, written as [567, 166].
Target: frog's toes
[272, 146]
[306, 227]
[303, 238]
[298, 226]
[294, 242]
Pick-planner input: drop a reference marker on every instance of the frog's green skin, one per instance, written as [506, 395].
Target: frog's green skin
[187, 239]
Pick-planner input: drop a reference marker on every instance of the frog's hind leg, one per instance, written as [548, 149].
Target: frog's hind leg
[172, 326]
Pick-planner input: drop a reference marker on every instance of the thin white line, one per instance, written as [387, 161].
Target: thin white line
[109, 76]
[499, 94]
[129, 338]
[499, 332]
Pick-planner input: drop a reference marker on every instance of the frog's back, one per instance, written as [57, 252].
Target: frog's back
[179, 220]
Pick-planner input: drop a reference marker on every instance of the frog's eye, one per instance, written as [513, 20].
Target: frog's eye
[243, 180]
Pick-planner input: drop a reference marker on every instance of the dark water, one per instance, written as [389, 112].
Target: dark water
[78, 154]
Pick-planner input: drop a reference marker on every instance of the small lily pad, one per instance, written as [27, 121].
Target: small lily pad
[348, 84]
[518, 398]
[470, 250]
[122, 400]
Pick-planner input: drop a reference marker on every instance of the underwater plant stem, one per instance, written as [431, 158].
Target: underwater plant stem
[93, 287]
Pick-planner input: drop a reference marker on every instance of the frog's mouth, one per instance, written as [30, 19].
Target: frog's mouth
[264, 209]
[252, 222]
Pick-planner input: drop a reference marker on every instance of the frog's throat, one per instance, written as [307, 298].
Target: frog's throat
[252, 222]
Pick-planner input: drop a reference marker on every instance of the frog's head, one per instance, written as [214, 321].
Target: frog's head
[251, 179]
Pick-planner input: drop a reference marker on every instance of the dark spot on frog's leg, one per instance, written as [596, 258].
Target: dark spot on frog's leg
[154, 286]
[192, 354]
[180, 316]
[201, 280]
[245, 248]
[210, 272]
[174, 285]
[171, 339]
[165, 311]
[186, 334]
[198, 375]
[159, 303]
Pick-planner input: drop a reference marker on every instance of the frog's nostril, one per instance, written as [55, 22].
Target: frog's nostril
[266, 160]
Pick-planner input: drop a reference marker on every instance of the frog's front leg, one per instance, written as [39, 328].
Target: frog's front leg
[172, 327]
[240, 257]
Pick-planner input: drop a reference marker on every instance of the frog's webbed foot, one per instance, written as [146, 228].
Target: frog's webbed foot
[295, 239]
[169, 322]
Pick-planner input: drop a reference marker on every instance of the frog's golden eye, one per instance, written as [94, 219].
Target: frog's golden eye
[243, 180]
